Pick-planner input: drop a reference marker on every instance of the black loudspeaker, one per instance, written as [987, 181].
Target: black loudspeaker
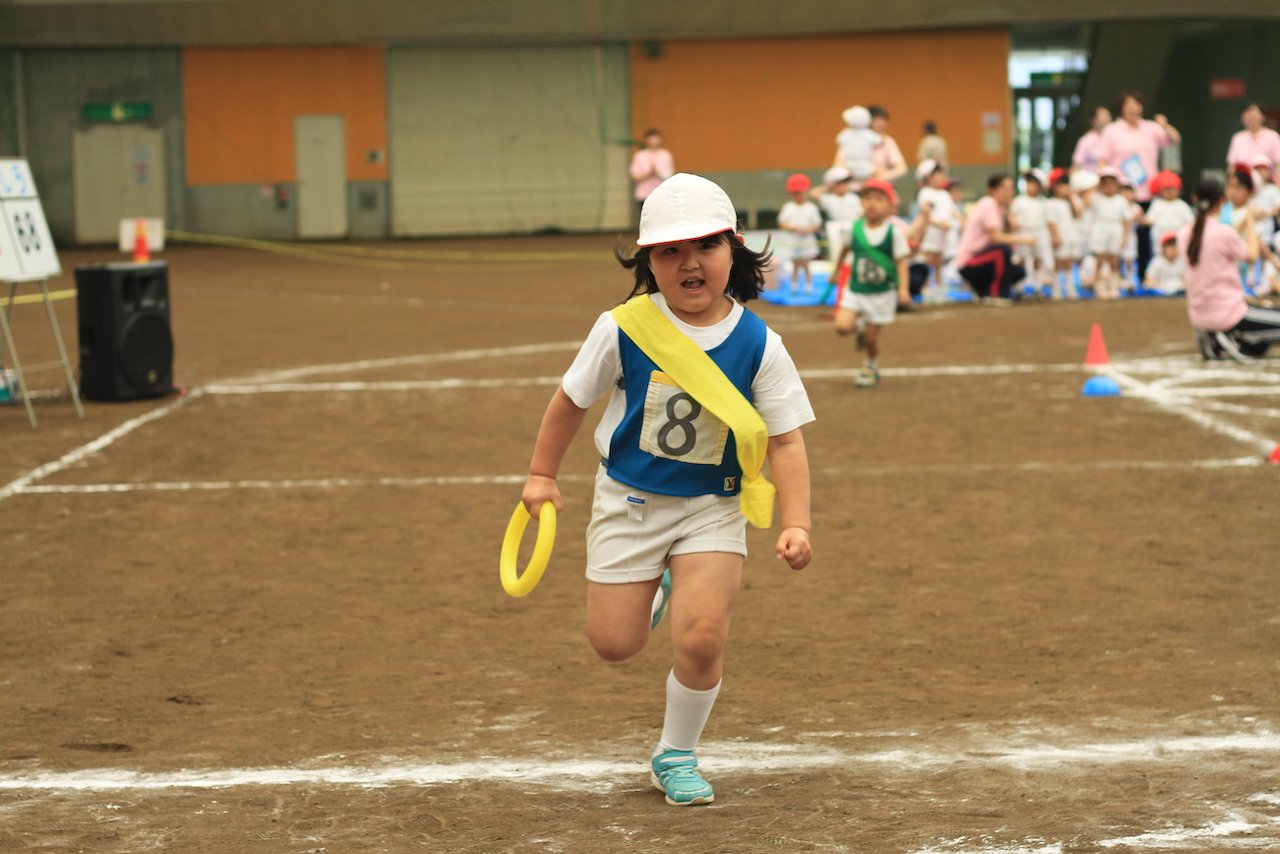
[126, 348]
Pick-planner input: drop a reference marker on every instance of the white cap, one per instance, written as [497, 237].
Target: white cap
[835, 175]
[685, 207]
[925, 169]
[857, 117]
[1108, 172]
[1083, 181]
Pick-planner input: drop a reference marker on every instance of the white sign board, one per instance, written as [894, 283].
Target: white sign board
[26, 247]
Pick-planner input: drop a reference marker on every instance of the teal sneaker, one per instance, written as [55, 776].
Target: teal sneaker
[675, 774]
[664, 590]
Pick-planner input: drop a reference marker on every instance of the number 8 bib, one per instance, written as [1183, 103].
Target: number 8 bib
[677, 427]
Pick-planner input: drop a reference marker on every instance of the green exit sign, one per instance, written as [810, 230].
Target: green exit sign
[117, 111]
[1057, 79]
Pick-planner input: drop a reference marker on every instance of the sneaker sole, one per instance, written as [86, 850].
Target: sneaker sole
[653, 778]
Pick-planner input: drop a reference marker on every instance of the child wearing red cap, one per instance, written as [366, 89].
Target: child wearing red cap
[1167, 272]
[672, 489]
[878, 281]
[800, 220]
[1168, 212]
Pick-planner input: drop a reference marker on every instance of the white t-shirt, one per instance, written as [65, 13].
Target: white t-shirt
[943, 213]
[875, 236]
[1030, 213]
[1109, 210]
[844, 208]
[777, 392]
[1169, 277]
[802, 215]
[1167, 216]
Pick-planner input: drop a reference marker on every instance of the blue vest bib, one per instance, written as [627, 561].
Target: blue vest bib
[665, 442]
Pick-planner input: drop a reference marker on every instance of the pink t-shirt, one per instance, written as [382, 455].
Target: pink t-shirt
[1086, 154]
[644, 164]
[1215, 294]
[1245, 147]
[887, 155]
[1135, 151]
[987, 216]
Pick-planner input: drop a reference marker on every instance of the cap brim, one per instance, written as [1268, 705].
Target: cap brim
[683, 231]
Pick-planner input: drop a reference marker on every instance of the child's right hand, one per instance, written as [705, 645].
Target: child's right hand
[537, 489]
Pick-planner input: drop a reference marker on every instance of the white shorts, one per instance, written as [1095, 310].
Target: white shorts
[633, 532]
[879, 309]
[935, 240]
[1106, 239]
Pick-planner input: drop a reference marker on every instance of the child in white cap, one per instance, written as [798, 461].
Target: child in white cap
[855, 144]
[672, 489]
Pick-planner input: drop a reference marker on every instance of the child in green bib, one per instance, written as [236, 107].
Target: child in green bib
[878, 281]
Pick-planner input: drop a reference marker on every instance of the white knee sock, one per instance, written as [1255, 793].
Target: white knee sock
[686, 715]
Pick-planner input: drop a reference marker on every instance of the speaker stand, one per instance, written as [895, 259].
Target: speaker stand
[6, 332]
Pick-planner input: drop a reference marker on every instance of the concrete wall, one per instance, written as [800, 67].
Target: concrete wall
[56, 86]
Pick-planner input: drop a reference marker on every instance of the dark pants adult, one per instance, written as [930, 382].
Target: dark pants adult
[1145, 251]
[992, 273]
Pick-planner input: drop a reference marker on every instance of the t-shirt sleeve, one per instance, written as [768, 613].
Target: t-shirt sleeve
[777, 392]
[598, 365]
[901, 248]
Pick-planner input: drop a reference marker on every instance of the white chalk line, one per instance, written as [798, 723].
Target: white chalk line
[1179, 404]
[404, 361]
[736, 757]
[518, 479]
[72, 457]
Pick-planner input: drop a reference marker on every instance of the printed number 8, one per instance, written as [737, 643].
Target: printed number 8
[685, 424]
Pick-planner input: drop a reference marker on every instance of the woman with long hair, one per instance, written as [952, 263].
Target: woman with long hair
[1224, 321]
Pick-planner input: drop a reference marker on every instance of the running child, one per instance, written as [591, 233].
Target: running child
[878, 283]
[671, 490]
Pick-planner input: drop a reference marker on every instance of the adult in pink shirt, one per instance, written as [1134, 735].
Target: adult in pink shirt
[651, 165]
[887, 157]
[985, 249]
[1132, 145]
[1085, 155]
[1254, 141]
[1213, 251]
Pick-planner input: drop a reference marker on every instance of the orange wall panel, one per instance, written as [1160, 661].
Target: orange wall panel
[776, 103]
[240, 104]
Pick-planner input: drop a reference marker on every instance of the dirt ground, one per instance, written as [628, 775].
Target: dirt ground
[269, 619]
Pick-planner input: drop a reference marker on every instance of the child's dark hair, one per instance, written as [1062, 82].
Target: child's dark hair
[746, 276]
[1208, 196]
[994, 181]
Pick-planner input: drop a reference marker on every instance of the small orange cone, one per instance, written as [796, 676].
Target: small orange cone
[1096, 355]
[141, 251]
[1275, 455]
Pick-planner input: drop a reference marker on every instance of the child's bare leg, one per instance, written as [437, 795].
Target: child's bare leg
[846, 321]
[871, 340]
[802, 273]
[704, 587]
[619, 617]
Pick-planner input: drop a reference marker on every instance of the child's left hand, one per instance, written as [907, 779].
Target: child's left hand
[793, 547]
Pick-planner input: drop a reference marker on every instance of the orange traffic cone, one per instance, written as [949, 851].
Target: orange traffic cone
[1096, 355]
[1275, 455]
[141, 251]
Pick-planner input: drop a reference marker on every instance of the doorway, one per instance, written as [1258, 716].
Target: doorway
[321, 163]
[119, 174]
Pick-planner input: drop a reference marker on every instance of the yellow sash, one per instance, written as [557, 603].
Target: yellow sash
[692, 369]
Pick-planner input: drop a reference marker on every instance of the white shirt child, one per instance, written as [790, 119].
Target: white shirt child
[1165, 276]
[1106, 232]
[1168, 216]
[804, 215]
[1060, 214]
[943, 215]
